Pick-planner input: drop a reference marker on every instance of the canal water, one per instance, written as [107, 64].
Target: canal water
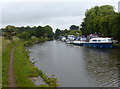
[77, 66]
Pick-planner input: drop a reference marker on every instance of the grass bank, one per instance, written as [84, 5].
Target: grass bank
[22, 66]
[0, 61]
[34, 41]
[116, 45]
[7, 46]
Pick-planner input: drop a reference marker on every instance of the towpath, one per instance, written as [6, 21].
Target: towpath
[11, 76]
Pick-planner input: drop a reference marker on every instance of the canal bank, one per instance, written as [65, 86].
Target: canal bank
[76, 66]
[23, 68]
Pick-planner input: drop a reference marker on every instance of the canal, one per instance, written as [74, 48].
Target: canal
[77, 66]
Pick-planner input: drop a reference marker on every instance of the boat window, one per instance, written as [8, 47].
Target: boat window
[103, 40]
[94, 40]
[99, 40]
[109, 40]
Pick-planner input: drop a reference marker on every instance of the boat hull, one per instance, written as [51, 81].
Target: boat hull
[99, 45]
[79, 43]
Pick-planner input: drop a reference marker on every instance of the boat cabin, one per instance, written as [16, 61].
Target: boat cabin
[101, 40]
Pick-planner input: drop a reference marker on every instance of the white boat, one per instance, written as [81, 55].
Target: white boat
[63, 39]
[99, 43]
[69, 41]
[79, 43]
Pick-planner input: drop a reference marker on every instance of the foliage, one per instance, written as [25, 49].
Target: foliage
[9, 31]
[57, 33]
[34, 40]
[26, 33]
[74, 32]
[66, 32]
[52, 82]
[48, 32]
[103, 20]
[74, 27]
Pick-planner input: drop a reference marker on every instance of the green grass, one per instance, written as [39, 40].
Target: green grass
[6, 49]
[0, 61]
[23, 68]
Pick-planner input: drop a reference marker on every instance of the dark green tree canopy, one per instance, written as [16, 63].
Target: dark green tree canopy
[74, 27]
[101, 19]
[9, 31]
[27, 32]
[57, 33]
[99, 11]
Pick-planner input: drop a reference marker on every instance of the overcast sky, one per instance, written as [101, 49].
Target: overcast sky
[56, 14]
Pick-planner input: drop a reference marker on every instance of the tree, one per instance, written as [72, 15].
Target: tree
[102, 20]
[48, 31]
[97, 19]
[9, 31]
[64, 32]
[40, 31]
[24, 35]
[27, 32]
[57, 33]
[74, 32]
[115, 26]
[74, 27]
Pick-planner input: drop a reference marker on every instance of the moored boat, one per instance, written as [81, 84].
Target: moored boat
[79, 43]
[99, 43]
[62, 38]
[69, 41]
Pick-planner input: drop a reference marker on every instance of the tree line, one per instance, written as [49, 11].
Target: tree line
[26, 33]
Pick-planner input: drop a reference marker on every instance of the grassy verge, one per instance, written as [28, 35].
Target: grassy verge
[22, 67]
[6, 49]
[52, 82]
[0, 61]
[33, 41]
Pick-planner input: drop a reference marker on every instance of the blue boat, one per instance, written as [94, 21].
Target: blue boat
[99, 43]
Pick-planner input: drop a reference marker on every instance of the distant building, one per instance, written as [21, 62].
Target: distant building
[119, 6]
